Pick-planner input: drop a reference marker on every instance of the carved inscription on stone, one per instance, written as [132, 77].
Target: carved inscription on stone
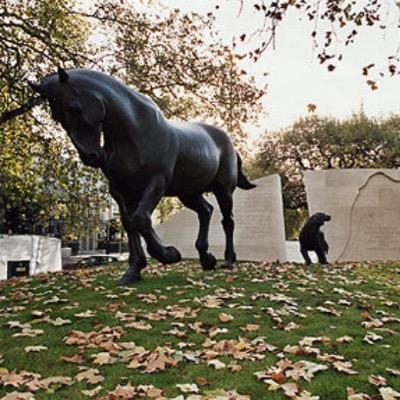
[365, 212]
[259, 225]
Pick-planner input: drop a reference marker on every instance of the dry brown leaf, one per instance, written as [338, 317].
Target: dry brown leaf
[389, 393]
[140, 326]
[213, 302]
[217, 364]
[76, 359]
[15, 379]
[201, 381]
[93, 392]
[18, 396]
[395, 372]
[153, 392]
[344, 339]
[55, 380]
[278, 377]
[290, 389]
[351, 395]
[58, 321]
[250, 328]
[126, 392]
[225, 317]
[28, 332]
[377, 380]
[35, 349]
[90, 375]
[306, 396]
[344, 366]
[234, 367]
[86, 314]
[188, 388]
[103, 358]
[158, 360]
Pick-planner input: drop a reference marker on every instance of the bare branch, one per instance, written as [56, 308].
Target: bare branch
[11, 114]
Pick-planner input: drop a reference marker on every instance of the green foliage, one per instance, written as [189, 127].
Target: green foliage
[190, 74]
[167, 207]
[294, 221]
[42, 179]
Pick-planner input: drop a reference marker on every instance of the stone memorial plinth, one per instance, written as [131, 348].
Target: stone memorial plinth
[259, 225]
[365, 209]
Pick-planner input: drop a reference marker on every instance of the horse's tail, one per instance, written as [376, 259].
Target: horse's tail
[243, 182]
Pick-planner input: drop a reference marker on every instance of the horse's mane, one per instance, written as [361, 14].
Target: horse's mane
[97, 77]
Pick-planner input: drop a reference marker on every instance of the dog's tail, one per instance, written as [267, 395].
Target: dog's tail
[243, 182]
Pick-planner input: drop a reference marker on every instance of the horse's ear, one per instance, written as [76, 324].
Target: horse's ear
[62, 75]
[93, 108]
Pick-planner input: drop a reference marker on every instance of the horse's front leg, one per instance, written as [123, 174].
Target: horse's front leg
[141, 222]
[137, 259]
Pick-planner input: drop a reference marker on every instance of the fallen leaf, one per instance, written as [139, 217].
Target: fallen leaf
[140, 326]
[225, 317]
[86, 314]
[351, 395]
[344, 366]
[93, 392]
[217, 364]
[306, 396]
[55, 380]
[188, 388]
[90, 375]
[35, 349]
[377, 380]
[395, 372]
[250, 328]
[388, 393]
[18, 396]
[201, 381]
[76, 359]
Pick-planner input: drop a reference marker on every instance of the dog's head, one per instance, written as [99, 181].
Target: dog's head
[320, 218]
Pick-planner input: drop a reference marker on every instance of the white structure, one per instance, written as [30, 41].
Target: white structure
[43, 253]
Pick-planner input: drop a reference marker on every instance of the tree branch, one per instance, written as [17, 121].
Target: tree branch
[8, 115]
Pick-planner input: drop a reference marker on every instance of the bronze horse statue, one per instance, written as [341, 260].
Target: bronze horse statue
[145, 157]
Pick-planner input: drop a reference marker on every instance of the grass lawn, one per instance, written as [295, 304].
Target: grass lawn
[263, 331]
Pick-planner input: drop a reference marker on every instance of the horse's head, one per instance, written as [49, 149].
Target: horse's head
[80, 111]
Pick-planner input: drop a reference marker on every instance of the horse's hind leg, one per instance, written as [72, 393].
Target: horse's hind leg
[225, 202]
[204, 210]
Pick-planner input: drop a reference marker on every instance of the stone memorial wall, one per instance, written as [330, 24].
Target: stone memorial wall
[259, 225]
[365, 209]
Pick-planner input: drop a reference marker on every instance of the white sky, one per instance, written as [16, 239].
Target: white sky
[295, 78]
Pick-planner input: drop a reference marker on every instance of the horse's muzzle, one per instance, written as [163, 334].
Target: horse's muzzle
[92, 159]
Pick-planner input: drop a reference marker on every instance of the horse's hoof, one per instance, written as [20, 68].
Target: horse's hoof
[172, 255]
[166, 255]
[128, 279]
[228, 265]
[208, 262]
